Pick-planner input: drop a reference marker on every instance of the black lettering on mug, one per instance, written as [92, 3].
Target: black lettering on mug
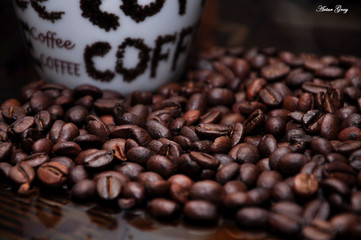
[22, 4]
[181, 47]
[138, 12]
[98, 49]
[182, 6]
[91, 9]
[129, 74]
[43, 13]
[158, 55]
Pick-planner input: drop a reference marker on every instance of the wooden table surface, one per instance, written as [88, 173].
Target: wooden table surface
[54, 216]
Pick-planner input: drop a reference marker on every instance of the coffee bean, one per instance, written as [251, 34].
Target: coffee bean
[316, 209]
[319, 229]
[248, 174]
[342, 222]
[291, 163]
[163, 208]
[37, 159]
[43, 145]
[53, 174]
[258, 196]
[5, 150]
[76, 115]
[67, 148]
[267, 145]
[207, 190]
[221, 96]
[268, 179]
[212, 130]
[161, 165]
[205, 160]
[139, 155]
[21, 173]
[247, 154]
[68, 132]
[274, 72]
[129, 169]
[252, 217]
[108, 187]
[78, 173]
[98, 159]
[227, 173]
[305, 185]
[83, 189]
[282, 192]
[270, 96]
[200, 212]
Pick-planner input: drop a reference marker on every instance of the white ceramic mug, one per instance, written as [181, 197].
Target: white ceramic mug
[124, 45]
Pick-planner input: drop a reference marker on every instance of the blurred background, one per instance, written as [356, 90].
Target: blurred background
[293, 25]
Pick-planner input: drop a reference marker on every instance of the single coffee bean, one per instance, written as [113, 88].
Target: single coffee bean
[188, 166]
[65, 161]
[161, 165]
[212, 130]
[268, 179]
[254, 122]
[283, 224]
[291, 163]
[53, 174]
[76, 115]
[342, 222]
[66, 148]
[252, 217]
[205, 160]
[68, 132]
[108, 187]
[96, 126]
[98, 159]
[78, 173]
[227, 173]
[234, 186]
[305, 185]
[282, 191]
[43, 145]
[318, 229]
[163, 208]
[207, 190]
[274, 72]
[139, 155]
[37, 159]
[129, 169]
[21, 173]
[247, 154]
[316, 209]
[270, 96]
[5, 150]
[248, 174]
[267, 145]
[200, 212]
[258, 196]
[83, 189]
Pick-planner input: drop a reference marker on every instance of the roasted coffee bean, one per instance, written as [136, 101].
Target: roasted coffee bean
[161, 165]
[43, 145]
[316, 209]
[274, 72]
[78, 173]
[131, 131]
[318, 229]
[252, 217]
[53, 174]
[76, 115]
[205, 160]
[221, 96]
[68, 132]
[188, 166]
[207, 190]
[66, 148]
[98, 159]
[21, 173]
[258, 196]
[234, 186]
[248, 174]
[163, 208]
[212, 130]
[96, 126]
[202, 146]
[342, 222]
[267, 145]
[254, 122]
[108, 187]
[37, 159]
[129, 169]
[291, 163]
[321, 145]
[305, 185]
[268, 179]
[200, 212]
[139, 155]
[282, 191]
[270, 96]
[275, 126]
[247, 154]
[65, 161]
[5, 150]
[227, 173]
[4, 169]
[22, 124]
[83, 189]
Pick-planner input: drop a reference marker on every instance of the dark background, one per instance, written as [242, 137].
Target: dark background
[287, 24]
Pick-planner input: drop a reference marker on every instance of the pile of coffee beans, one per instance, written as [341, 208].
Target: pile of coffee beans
[269, 138]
